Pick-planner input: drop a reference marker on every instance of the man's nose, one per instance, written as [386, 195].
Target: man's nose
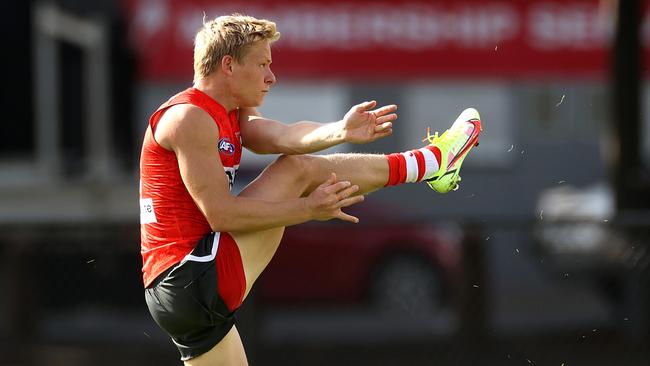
[270, 78]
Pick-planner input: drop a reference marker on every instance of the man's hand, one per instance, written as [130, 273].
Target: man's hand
[326, 201]
[362, 125]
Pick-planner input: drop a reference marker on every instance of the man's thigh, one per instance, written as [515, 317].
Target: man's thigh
[280, 181]
[257, 249]
[229, 351]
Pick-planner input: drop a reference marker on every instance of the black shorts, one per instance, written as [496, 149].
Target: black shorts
[185, 303]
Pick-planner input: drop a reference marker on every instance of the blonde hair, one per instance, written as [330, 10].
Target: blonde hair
[228, 35]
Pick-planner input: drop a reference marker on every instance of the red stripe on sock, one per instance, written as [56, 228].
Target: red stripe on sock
[393, 169]
[402, 169]
[419, 157]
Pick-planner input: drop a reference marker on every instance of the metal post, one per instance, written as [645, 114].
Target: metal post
[52, 24]
[629, 176]
[473, 308]
[46, 84]
[631, 188]
[97, 80]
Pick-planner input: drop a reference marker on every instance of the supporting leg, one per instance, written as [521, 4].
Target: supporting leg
[228, 352]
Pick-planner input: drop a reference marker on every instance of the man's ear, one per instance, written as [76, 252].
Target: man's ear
[226, 64]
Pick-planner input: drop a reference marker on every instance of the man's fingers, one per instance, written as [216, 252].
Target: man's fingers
[385, 110]
[350, 201]
[383, 126]
[345, 217]
[366, 105]
[347, 192]
[383, 134]
[388, 118]
[331, 180]
[337, 187]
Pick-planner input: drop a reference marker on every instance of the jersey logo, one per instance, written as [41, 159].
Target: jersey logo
[226, 147]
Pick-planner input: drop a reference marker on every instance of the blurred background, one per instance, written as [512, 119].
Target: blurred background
[541, 258]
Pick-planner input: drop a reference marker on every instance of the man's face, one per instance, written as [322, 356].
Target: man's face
[252, 78]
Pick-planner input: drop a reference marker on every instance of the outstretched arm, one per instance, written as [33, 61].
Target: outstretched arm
[362, 124]
[192, 135]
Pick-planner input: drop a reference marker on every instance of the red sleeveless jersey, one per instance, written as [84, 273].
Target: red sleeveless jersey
[170, 222]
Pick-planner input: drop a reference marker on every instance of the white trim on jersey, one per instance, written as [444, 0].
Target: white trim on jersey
[206, 258]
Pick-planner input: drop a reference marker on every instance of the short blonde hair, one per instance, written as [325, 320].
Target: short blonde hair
[228, 35]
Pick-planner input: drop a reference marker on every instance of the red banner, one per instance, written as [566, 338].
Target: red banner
[392, 39]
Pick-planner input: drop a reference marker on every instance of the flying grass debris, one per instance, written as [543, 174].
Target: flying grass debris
[561, 100]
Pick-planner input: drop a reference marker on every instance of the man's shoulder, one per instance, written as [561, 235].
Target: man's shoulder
[182, 122]
[185, 111]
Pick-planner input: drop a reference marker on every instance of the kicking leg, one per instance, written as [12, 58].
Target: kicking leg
[293, 176]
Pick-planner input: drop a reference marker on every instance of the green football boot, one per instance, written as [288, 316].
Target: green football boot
[454, 145]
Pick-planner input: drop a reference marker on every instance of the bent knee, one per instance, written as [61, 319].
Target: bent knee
[300, 165]
[307, 171]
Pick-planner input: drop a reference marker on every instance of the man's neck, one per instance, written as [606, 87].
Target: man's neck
[217, 91]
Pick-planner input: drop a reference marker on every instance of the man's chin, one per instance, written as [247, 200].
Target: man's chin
[254, 104]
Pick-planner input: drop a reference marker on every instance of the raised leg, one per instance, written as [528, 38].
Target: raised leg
[293, 176]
